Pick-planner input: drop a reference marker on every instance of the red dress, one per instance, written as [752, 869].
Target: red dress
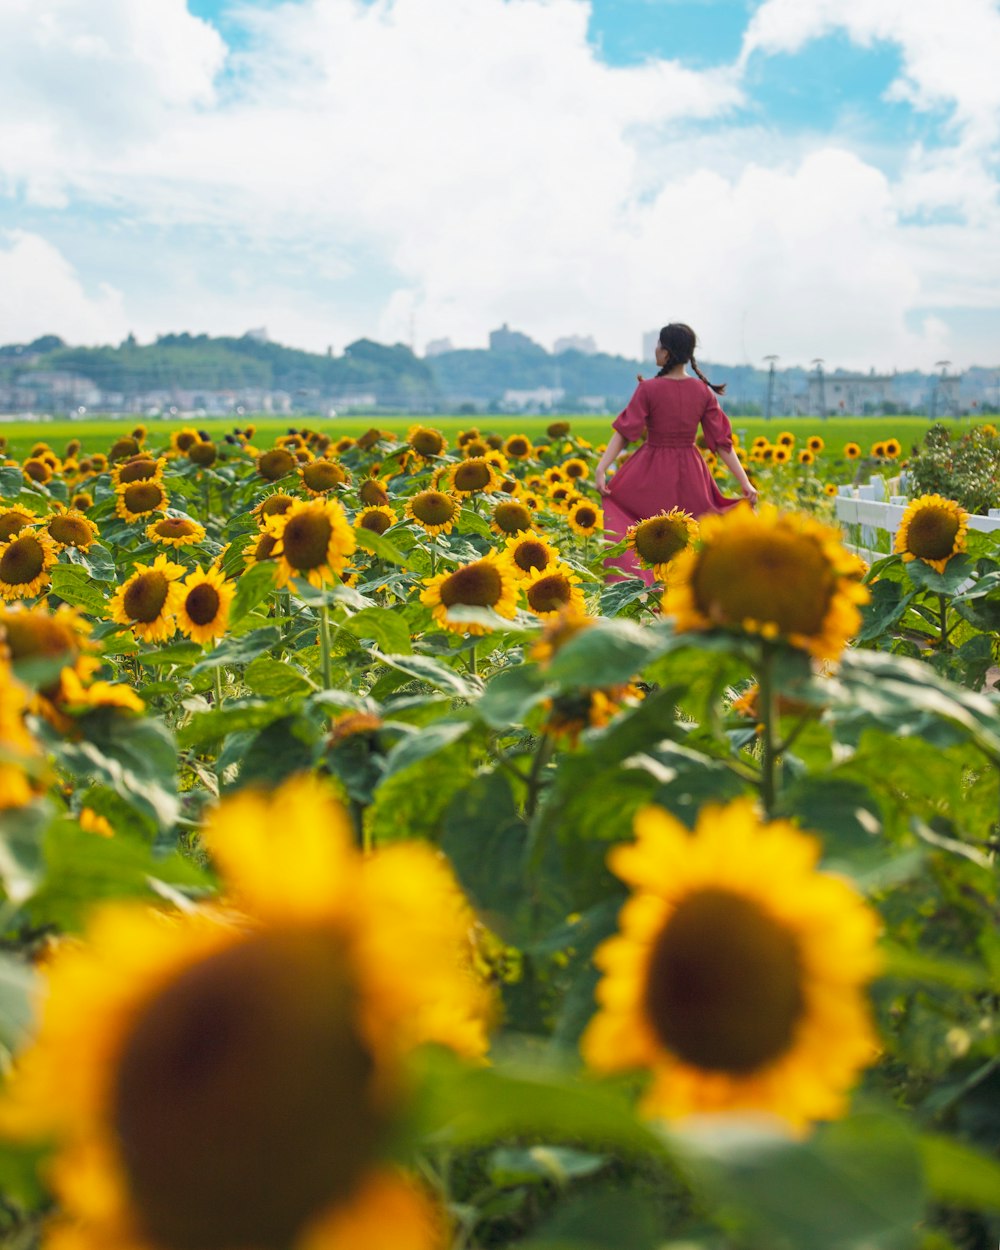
[667, 470]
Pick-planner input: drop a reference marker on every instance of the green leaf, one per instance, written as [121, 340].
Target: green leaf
[11, 481]
[958, 1175]
[511, 1165]
[617, 596]
[417, 747]
[75, 585]
[21, 862]
[379, 546]
[280, 750]
[841, 810]
[275, 679]
[183, 653]
[603, 1221]
[609, 653]
[888, 604]
[384, 626]
[18, 987]
[434, 673]
[957, 571]
[252, 587]
[233, 652]
[208, 727]
[485, 838]
[957, 974]
[512, 693]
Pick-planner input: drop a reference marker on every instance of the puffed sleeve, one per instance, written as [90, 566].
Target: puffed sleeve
[715, 424]
[631, 421]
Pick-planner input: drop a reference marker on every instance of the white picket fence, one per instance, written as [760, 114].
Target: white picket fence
[878, 511]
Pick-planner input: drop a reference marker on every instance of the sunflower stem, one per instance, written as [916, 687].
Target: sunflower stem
[943, 606]
[543, 754]
[217, 679]
[324, 646]
[767, 706]
[473, 664]
[434, 562]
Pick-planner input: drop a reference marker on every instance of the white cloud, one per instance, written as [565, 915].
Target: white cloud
[482, 152]
[42, 294]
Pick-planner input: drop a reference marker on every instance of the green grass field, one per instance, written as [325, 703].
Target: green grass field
[98, 433]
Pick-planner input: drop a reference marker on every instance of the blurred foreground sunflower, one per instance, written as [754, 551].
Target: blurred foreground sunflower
[220, 1081]
[933, 529]
[20, 755]
[485, 583]
[738, 974]
[780, 575]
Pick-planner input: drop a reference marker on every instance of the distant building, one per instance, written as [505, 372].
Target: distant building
[854, 393]
[575, 343]
[537, 400]
[259, 335]
[507, 340]
[944, 396]
[59, 390]
[438, 347]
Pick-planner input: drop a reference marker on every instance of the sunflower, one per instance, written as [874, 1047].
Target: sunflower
[322, 476]
[275, 504]
[485, 583]
[377, 519]
[780, 575]
[531, 500]
[82, 500]
[74, 695]
[175, 531]
[852, 451]
[560, 628]
[183, 440]
[782, 454]
[474, 476]
[140, 499]
[806, 456]
[314, 541]
[528, 552]
[148, 601]
[557, 429]
[815, 444]
[830, 489]
[569, 714]
[260, 548]
[510, 517]
[933, 529]
[372, 492]
[15, 519]
[767, 454]
[36, 470]
[467, 436]
[658, 539]
[39, 633]
[475, 448]
[123, 449]
[20, 755]
[758, 442]
[343, 444]
[554, 476]
[275, 464]
[518, 447]
[203, 453]
[140, 468]
[576, 469]
[785, 439]
[585, 518]
[25, 561]
[99, 462]
[510, 486]
[165, 1130]
[553, 590]
[892, 448]
[738, 973]
[878, 450]
[425, 442]
[203, 610]
[70, 528]
[434, 510]
[562, 496]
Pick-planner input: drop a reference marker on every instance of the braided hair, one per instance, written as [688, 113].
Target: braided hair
[679, 342]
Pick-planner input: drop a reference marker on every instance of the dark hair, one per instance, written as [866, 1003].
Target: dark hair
[679, 342]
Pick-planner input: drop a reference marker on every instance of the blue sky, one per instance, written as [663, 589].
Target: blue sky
[791, 176]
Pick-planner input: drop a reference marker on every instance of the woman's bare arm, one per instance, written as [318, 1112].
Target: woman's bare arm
[732, 462]
[611, 453]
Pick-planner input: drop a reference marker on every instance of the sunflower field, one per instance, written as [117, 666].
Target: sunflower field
[380, 874]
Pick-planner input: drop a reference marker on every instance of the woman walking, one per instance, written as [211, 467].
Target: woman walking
[667, 471]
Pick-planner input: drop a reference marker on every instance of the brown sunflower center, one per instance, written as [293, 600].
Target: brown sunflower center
[72, 531]
[512, 518]
[323, 475]
[143, 497]
[202, 604]
[202, 453]
[265, 547]
[275, 464]
[780, 577]
[175, 527]
[518, 446]
[374, 520]
[551, 593]
[477, 585]
[574, 469]
[276, 505]
[243, 1098]
[531, 554]
[22, 562]
[931, 533]
[37, 470]
[475, 474]
[306, 539]
[138, 470]
[659, 539]
[585, 516]
[427, 442]
[186, 439]
[145, 596]
[558, 429]
[372, 494]
[123, 449]
[31, 634]
[12, 522]
[432, 507]
[724, 984]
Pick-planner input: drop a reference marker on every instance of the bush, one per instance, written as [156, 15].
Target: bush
[967, 471]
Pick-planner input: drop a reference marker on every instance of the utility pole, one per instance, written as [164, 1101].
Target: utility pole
[818, 362]
[943, 366]
[770, 387]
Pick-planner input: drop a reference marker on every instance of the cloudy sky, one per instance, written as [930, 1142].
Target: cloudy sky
[803, 177]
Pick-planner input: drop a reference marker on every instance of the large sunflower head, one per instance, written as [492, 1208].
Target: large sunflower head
[659, 539]
[892, 448]
[204, 453]
[37, 470]
[275, 464]
[123, 449]
[199, 1042]
[473, 476]
[585, 518]
[427, 443]
[314, 542]
[485, 583]
[203, 608]
[183, 440]
[377, 519]
[518, 447]
[553, 591]
[149, 599]
[13, 520]
[70, 528]
[275, 504]
[140, 499]
[738, 974]
[780, 575]
[933, 529]
[373, 494]
[527, 553]
[139, 469]
[434, 510]
[175, 531]
[576, 469]
[25, 561]
[510, 517]
[782, 454]
[322, 476]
